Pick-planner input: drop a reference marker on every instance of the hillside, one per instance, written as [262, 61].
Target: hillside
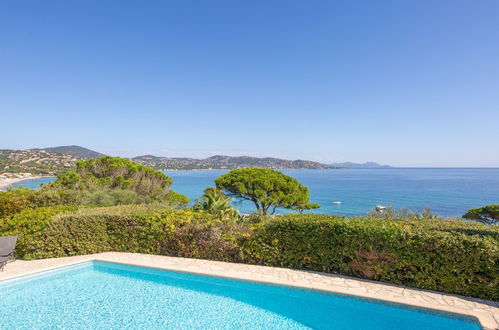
[75, 151]
[35, 161]
[59, 159]
[226, 162]
[360, 165]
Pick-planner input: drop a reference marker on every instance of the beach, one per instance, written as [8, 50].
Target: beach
[7, 179]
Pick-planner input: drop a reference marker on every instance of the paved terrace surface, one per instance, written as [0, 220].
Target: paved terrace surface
[487, 312]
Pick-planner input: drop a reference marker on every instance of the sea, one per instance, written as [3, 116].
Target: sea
[449, 192]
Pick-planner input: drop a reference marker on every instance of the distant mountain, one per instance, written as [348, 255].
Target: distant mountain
[75, 151]
[360, 165]
[225, 162]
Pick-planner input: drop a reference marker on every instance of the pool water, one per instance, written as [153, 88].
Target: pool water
[106, 295]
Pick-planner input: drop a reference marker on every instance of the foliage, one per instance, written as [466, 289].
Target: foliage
[302, 207]
[13, 201]
[134, 228]
[129, 228]
[53, 197]
[176, 200]
[255, 217]
[207, 238]
[266, 189]
[115, 173]
[30, 225]
[488, 214]
[216, 203]
[393, 214]
[105, 181]
[109, 181]
[19, 199]
[432, 254]
[446, 255]
[110, 197]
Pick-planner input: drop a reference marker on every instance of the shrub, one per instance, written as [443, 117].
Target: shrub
[29, 225]
[414, 253]
[140, 229]
[13, 201]
[18, 199]
[176, 200]
[54, 197]
[212, 238]
[111, 197]
[109, 181]
[216, 203]
[115, 173]
[445, 255]
[129, 228]
[105, 181]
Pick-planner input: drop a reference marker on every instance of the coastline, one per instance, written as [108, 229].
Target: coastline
[236, 168]
[8, 179]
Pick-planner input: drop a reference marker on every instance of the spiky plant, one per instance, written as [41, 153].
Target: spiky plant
[215, 202]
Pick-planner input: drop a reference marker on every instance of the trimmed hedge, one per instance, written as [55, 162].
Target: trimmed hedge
[130, 228]
[135, 228]
[445, 255]
[30, 225]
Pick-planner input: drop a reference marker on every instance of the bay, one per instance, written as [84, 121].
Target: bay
[447, 191]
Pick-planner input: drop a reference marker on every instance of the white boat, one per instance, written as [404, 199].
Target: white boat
[336, 202]
[380, 208]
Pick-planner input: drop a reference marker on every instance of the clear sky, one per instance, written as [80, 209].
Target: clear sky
[407, 83]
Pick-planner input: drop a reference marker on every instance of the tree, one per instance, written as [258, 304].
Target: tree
[112, 177]
[307, 206]
[488, 215]
[267, 189]
[215, 202]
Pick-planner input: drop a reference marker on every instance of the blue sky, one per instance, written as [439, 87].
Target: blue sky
[407, 83]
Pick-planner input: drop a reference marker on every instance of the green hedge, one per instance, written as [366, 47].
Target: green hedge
[130, 228]
[134, 228]
[444, 255]
[30, 226]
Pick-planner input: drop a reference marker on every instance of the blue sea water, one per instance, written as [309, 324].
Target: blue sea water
[447, 191]
[99, 295]
[33, 183]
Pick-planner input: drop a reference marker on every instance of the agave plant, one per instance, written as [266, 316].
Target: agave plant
[215, 202]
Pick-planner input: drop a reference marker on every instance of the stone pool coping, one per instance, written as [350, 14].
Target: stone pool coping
[487, 312]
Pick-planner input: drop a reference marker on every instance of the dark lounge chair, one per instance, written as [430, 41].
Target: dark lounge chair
[7, 247]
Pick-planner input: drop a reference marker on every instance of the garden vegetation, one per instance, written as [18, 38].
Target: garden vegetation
[417, 250]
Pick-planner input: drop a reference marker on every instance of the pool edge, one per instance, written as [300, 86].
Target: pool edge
[273, 275]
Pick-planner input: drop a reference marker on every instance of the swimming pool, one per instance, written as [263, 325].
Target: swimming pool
[100, 294]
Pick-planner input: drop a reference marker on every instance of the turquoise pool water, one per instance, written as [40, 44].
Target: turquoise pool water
[97, 295]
